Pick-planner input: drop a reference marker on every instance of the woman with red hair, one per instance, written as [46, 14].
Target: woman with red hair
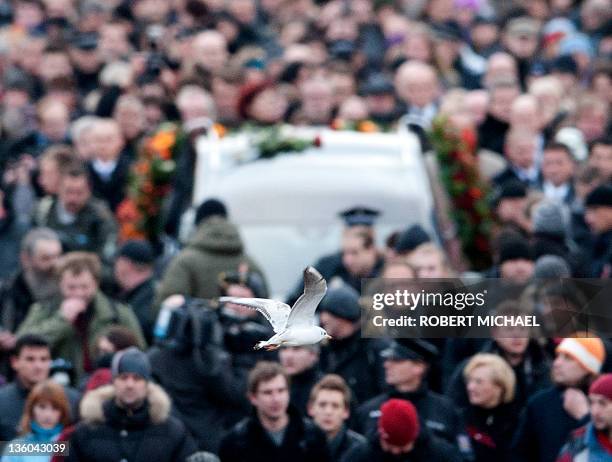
[45, 414]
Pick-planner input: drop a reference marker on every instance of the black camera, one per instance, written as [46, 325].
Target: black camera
[193, 325]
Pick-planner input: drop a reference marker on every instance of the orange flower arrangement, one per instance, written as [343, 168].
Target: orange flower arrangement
[150, 182]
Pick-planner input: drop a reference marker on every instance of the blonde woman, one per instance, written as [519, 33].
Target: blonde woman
[490, 416]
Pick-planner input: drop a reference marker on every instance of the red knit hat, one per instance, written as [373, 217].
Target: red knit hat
[602, 386]
[399, 422]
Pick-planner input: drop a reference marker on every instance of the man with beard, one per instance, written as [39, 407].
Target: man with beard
[562, 407]
[593, 442]
[34, 282]
[72, 323]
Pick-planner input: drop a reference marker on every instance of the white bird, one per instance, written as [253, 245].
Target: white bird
[293, 326]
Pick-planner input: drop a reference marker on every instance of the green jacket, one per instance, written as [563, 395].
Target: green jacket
[47, 320]
[215, 247]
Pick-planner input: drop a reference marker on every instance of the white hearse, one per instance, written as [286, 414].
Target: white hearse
[287, 206]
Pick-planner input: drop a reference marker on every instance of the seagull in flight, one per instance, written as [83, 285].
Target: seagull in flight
[293, 326]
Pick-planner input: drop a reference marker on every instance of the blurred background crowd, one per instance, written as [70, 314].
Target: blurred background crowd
[84, 82]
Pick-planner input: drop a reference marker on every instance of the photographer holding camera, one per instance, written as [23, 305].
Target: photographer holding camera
[189, 361]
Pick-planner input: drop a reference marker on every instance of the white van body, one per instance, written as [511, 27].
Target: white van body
[287, 207]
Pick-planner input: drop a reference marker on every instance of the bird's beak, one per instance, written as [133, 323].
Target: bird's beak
[329, 337]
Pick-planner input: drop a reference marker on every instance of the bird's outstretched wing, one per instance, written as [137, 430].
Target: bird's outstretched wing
[275, 312]
[302, 312]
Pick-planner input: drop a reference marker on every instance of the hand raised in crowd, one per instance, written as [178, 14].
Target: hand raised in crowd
[71, 308]
[575, 403]
[7, 340]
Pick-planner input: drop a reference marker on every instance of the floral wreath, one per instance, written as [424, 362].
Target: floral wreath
[456, 155]
[150, 181]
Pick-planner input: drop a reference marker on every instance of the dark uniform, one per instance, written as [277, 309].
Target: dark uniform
[437, 413]
[427, 448]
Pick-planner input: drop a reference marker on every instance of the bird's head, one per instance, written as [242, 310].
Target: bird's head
[324, 334]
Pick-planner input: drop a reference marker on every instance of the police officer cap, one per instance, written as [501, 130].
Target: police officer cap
[359, 216]
[413, 349]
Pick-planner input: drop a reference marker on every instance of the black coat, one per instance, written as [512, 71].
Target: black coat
[248, 441]
[602, 256]
[343, 443]
[300, 387]
[109, 433]
[489, 431]
[182, 188]
[208, 402]
[427, 448]
[508, 174]
[141, 298]
[357, 360]
[12, 231]
[15, 301]
[492, 134]
[543, 428]
[12, 401]
[112, 190]
[436, 412]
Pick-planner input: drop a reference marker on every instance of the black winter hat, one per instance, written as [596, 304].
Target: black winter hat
[601, 196]
[512, 189]
[411, 238]
[138, 251]
[131, 360]
[515, 249]
[342, 302]
[210, 208]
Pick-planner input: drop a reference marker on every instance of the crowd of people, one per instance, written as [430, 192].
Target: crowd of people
[120, 348]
